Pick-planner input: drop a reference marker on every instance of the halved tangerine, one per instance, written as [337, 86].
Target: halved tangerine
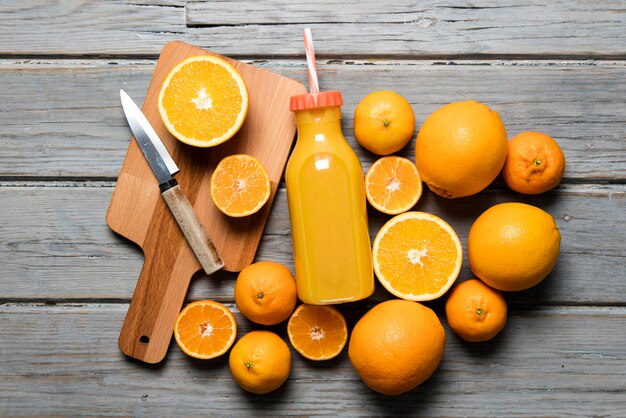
[317, 332]
[393, 185]
[240, 185]
[205, 329]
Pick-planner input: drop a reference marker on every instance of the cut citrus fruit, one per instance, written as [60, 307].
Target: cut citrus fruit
[203, 101]
[205, 329]
[417, 256]
[240, 185]
[393, 185]
[317, 332]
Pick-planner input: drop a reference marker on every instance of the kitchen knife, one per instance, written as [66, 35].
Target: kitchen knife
[164, 168]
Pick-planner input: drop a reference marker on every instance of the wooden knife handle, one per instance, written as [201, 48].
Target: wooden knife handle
[196, 235]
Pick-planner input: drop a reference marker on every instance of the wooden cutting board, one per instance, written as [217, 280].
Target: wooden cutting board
[138, 212]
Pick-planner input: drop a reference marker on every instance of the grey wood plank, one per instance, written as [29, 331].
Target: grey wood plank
[55, 244]
[59, 360]
[63, 118]
[455, 27]
[83, 27]
[248, 12]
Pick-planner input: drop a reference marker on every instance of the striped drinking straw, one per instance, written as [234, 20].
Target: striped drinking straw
[314, 86]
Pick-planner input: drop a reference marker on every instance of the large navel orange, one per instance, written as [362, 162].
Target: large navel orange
[460, 149]
[396, 346]
[513, 246]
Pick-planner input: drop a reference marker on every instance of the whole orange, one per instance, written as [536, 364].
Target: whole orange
[460, 149]
[384, 122]
[475, 312]
[260, 362]
[265, 292]
[513, 246]
[396, 346]
[534, 163]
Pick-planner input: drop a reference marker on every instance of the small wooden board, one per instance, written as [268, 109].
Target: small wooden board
[138, 212]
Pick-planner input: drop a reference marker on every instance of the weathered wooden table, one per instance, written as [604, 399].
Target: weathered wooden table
[66, 279]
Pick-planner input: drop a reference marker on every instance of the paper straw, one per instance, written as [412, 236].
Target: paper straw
[314, 86]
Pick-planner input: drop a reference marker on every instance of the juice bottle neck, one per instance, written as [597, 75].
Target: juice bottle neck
[313, 122]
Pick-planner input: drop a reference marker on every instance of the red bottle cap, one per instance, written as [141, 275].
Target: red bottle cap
[315, 100]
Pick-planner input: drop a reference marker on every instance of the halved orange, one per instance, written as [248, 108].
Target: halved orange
[205, 329]
[203, 101]
[417, 256]
[393, 185]
[240, 185]
[317, 332]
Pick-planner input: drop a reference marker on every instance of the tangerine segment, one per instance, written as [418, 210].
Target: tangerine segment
[203, 101]
[318, 332]
[417, 256]
[205, 329]
[393, 185]
[240, 185]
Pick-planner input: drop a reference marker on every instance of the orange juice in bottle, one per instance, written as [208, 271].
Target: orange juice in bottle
[327, 209]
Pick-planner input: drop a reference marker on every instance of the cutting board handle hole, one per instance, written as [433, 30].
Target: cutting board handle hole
[144, 339]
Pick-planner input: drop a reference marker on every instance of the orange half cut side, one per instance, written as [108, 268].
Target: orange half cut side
[317, 332]
[205, 329]
[393, 185]
[203, 101]
[417, 256]
[240, 185]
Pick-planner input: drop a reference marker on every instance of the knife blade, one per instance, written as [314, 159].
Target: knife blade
[164, 167]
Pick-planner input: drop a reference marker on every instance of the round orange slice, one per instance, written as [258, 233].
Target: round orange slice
[240, 185]
[205, 329]
[203, 101]
[417, 256]
[317, 332]
[393, 185]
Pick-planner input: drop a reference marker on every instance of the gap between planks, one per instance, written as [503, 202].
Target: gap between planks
[97, 306]
[95, 182]
[298, 60]
[435, 304]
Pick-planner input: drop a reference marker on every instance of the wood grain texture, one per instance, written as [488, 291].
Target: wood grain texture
[50, 127]
[547, 361]
[53, 236]
[556, 66]
[272, 28]
[194, 232]
[267, 134]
